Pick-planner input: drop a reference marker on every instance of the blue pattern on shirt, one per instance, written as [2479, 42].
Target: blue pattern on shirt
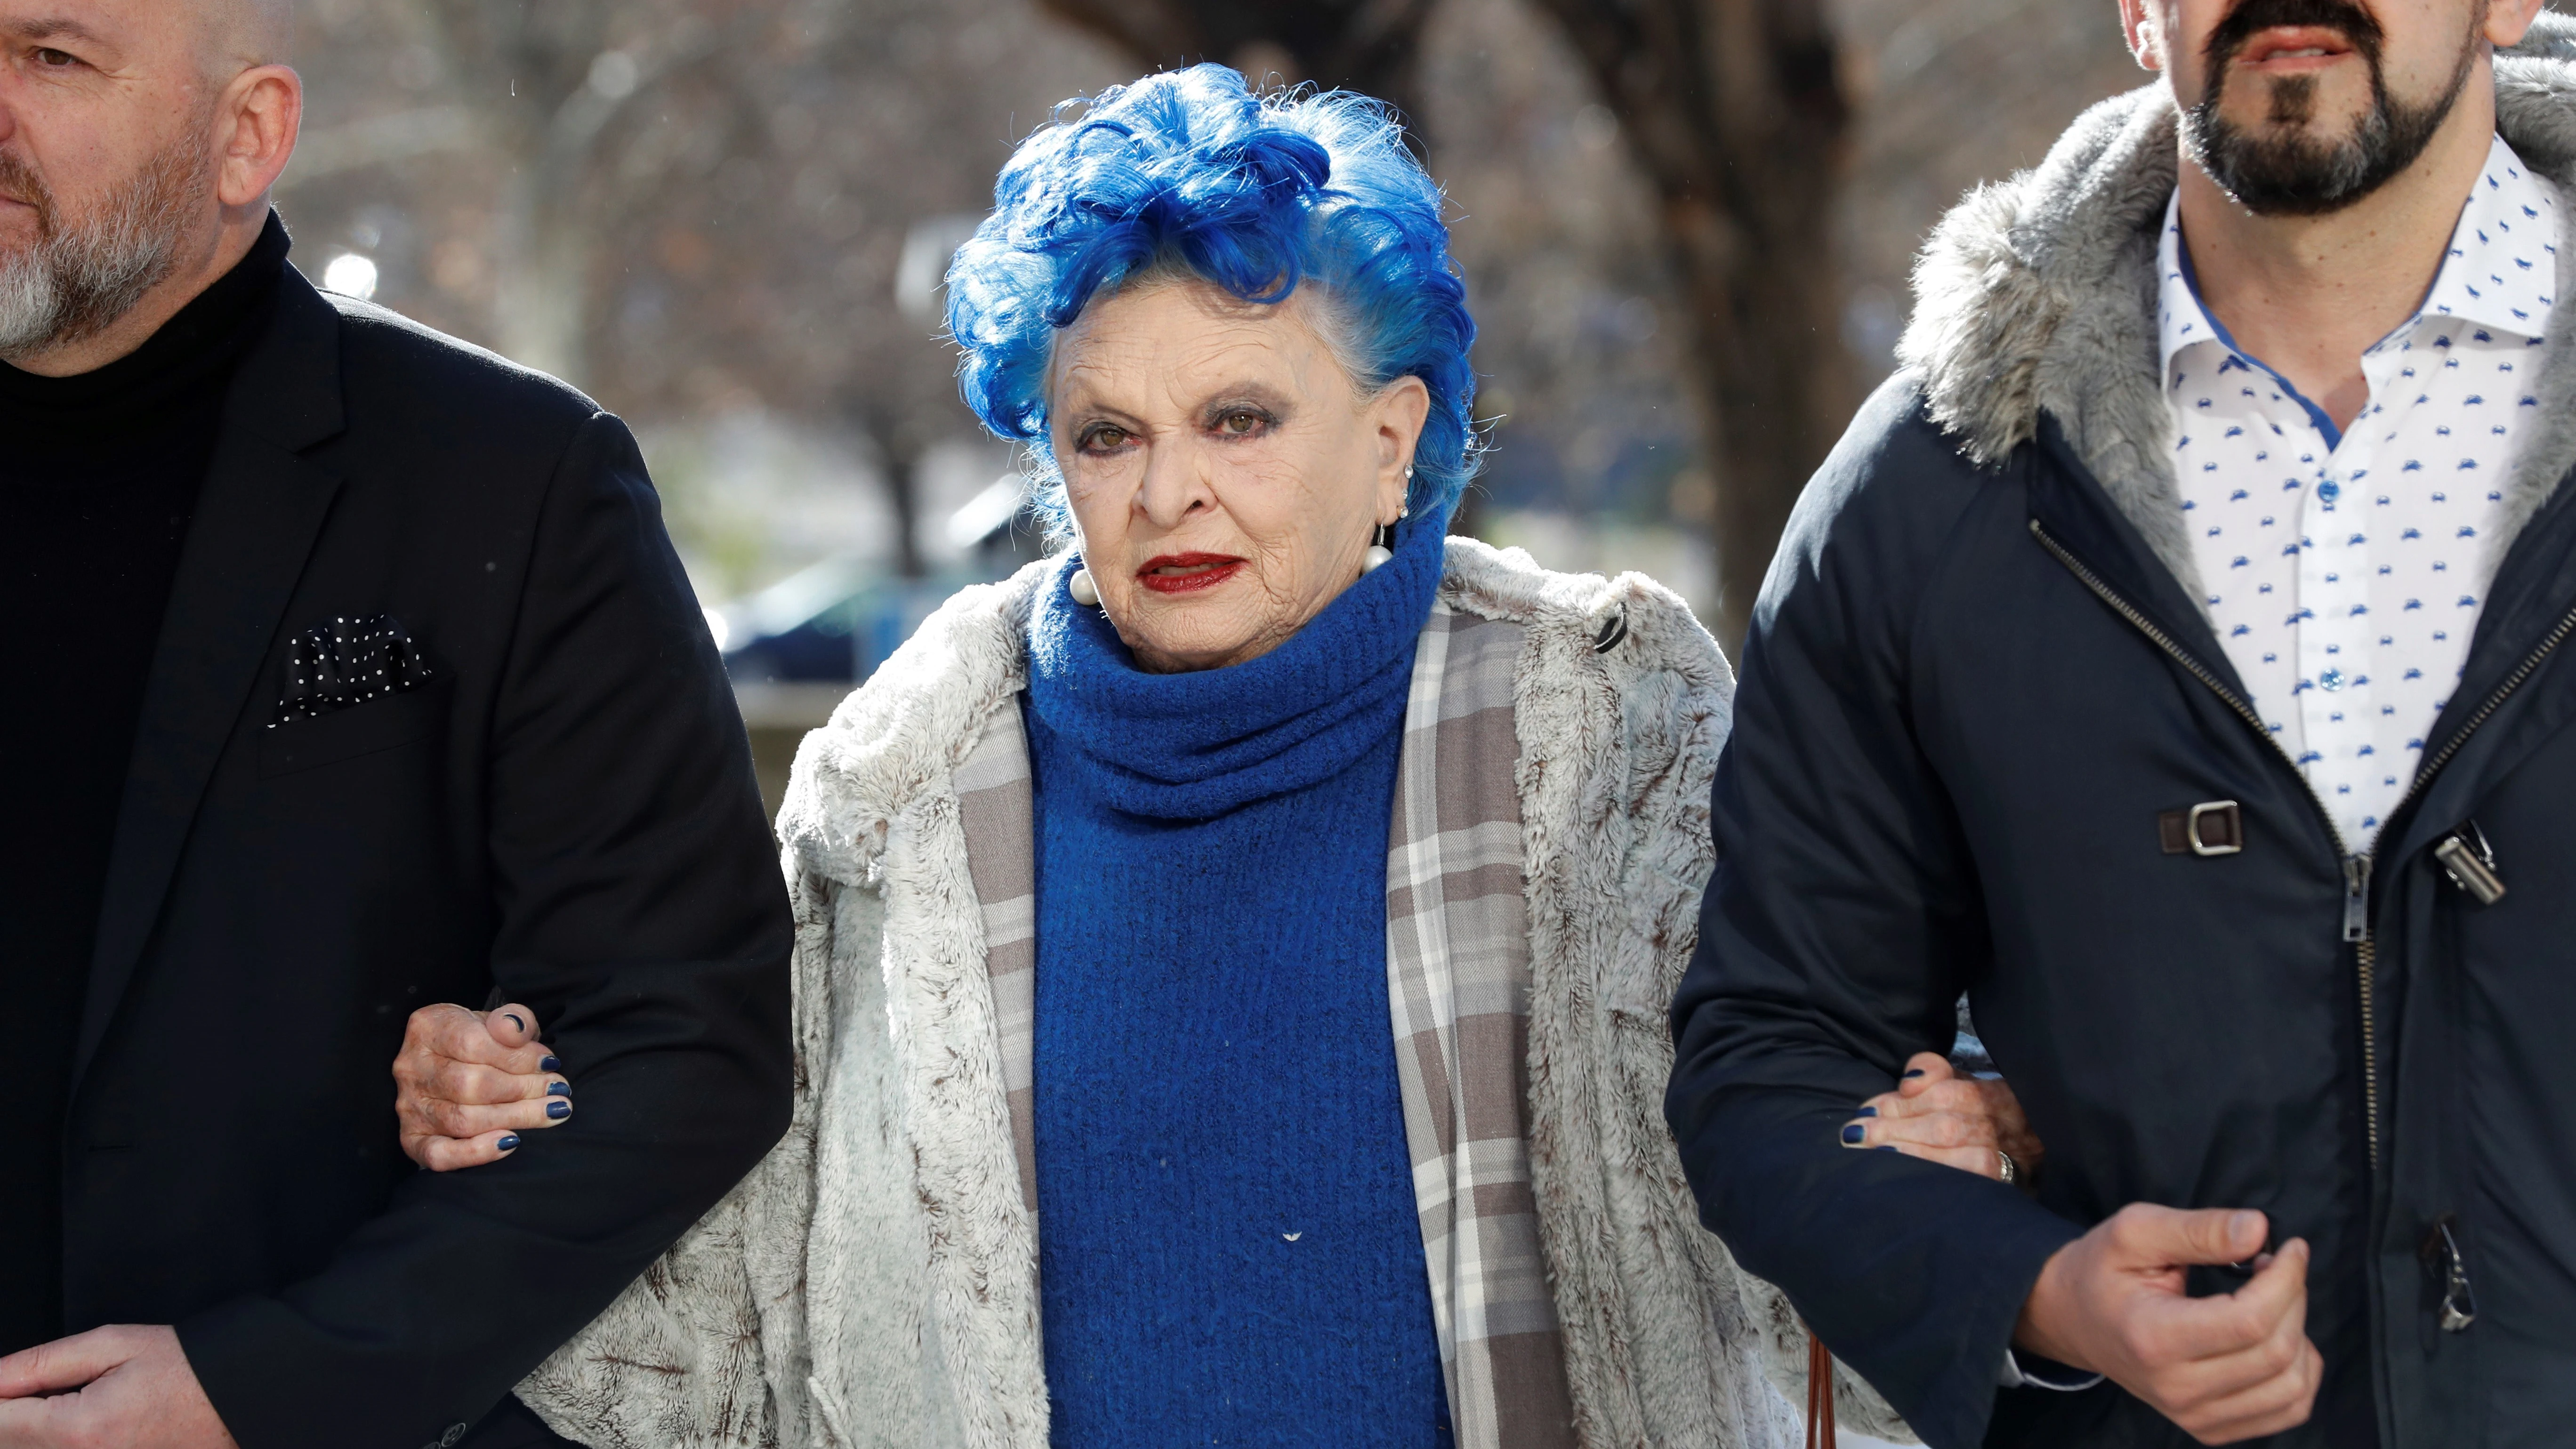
[2342, 566]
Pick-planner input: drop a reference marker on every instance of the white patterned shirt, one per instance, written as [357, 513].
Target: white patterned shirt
[2342, 570]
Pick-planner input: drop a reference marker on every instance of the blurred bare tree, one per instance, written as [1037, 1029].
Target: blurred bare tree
[700, 208]
[623, 119]
[1370, 46]
[573, 67]
[1735, 111]
[1949, 93]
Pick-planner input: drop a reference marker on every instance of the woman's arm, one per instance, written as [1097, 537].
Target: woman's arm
[707, 1349]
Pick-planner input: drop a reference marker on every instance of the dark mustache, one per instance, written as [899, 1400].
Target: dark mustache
[2243, 23]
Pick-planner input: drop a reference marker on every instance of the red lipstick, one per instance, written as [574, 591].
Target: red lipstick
[1186, 573]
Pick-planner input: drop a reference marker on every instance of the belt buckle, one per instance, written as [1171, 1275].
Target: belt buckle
[2214, 827]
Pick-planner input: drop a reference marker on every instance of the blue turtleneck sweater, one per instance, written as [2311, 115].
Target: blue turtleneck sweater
[1229, 1249]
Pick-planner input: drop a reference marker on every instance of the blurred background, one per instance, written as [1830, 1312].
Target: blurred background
[1685, 227]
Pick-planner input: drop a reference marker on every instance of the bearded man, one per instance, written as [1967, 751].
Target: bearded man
[350, 670]
[2169, 659]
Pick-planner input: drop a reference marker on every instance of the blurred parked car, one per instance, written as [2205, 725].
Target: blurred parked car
[795, 649]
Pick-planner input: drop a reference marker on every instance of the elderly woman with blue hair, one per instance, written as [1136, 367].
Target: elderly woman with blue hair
[1233, 954]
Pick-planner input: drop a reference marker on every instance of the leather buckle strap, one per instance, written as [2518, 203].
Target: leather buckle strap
[2214, 827]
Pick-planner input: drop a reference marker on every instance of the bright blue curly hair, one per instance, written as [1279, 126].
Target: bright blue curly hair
[1190, 170]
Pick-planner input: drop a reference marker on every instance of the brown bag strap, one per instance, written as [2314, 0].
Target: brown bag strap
[1820, 1394]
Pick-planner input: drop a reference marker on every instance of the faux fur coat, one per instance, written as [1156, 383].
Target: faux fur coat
[874, 1282]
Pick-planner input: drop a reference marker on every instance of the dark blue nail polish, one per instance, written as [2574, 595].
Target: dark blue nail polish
[1886, 1147]
[558, 1089]
[1853, 1134]
[550, 1064]
[1918, 1071]
[515, 1021]
[509, 1143]
[559, 1110]
[1868, 1111]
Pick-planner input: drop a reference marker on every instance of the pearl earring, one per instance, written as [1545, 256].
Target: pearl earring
[1379, 555]
[1084, 591]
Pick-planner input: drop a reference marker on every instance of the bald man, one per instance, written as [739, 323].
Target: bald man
[346, 668]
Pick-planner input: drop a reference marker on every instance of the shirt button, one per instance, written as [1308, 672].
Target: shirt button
[2330, 681]
[2330, 490]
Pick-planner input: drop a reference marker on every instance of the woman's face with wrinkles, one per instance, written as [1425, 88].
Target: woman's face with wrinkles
[1224, 472]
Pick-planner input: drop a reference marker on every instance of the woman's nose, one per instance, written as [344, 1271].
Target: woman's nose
[1174, 484]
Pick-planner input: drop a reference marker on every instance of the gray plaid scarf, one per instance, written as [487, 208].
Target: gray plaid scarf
[1458, 978]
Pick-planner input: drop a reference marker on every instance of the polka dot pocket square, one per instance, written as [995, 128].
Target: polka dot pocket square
[347, 662]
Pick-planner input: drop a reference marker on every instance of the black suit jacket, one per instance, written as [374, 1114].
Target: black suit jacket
[566, 817]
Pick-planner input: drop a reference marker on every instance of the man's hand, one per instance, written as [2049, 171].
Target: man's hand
[2224, 1368]
[123, 1387]
[467, 1085]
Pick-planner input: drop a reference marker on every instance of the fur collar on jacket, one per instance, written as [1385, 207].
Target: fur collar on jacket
[875, 1282]
[2037, 295]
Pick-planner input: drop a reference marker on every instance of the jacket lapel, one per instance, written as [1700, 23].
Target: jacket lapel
[255, 523]
[2079, 513]
[2526, 609]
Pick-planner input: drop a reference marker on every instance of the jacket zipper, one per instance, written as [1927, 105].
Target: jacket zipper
[2356, 867]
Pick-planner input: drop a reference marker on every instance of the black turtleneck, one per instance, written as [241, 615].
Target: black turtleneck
[98, 479]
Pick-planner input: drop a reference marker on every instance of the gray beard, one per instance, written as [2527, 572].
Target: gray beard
[76, 281]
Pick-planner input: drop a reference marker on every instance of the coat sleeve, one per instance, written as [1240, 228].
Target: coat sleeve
[636, 905]
[709, 1347]
[1667, 1339]
[1842, 923]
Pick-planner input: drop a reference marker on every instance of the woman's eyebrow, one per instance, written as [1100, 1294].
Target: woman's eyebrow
[1082, 412]
[1243, 395]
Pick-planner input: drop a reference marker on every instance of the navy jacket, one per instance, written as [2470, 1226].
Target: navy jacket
[1977, 686]
[564, 816]
[1969, 694]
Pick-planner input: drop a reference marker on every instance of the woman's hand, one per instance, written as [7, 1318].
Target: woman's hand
[468, 1085]
[1957, 1121]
